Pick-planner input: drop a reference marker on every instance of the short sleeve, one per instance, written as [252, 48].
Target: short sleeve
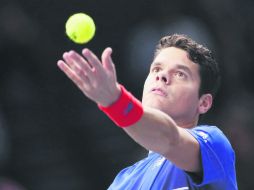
[217, 156]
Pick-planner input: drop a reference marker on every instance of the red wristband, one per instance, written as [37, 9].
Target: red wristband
[126, 111]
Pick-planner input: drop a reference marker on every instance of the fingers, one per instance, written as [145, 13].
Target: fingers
[92, 59]
[78, 64]
[95, 78]
[89, 68]
[72, 75]
[73, 64]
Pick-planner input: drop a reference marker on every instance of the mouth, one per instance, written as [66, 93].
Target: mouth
[159, 91]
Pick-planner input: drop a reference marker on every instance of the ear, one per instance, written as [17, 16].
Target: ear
[205, 103]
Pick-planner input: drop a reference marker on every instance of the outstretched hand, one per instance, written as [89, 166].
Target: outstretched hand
[95, 78]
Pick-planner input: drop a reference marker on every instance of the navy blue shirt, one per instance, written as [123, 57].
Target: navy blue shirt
[157, 173]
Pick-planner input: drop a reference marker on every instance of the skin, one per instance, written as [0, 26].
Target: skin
[170, 100]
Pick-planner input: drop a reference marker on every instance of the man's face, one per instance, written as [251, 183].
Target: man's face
[172, 85]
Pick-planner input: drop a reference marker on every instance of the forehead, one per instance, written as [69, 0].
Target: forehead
[172, 54]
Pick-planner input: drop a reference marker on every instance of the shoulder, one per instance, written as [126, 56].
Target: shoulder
[217, 155]
[210, 134]
[211, 137]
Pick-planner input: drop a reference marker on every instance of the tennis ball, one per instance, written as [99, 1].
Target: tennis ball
[80, 28]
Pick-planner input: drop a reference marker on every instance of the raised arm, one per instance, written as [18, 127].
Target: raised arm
[155, 130]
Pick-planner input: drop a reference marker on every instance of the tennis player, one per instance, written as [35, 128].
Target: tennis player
[181, 85]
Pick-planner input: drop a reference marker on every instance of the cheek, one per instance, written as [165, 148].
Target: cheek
[189, 97]
[147, 84]
[147, 87]
[189, 101]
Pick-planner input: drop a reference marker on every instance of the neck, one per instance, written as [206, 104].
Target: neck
[188, 124]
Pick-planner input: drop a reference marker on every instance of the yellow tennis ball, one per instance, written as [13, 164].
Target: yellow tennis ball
[80, 28]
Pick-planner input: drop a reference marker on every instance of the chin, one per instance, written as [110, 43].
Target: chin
[154, 104]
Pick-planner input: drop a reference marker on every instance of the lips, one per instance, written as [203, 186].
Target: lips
[159, 91]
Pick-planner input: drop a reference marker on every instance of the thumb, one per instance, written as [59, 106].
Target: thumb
[106, 59]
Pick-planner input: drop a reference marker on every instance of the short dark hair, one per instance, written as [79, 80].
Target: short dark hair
[208, 67]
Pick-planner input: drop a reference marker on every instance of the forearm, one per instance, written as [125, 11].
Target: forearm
[155, 131]
[158, 132]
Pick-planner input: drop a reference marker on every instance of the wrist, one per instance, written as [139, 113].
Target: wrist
[125, 111]
[112, 97]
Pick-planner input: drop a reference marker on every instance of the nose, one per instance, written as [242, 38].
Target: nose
[161, 76]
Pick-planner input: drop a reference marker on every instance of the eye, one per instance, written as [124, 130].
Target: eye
[156, 69]
[180, 74]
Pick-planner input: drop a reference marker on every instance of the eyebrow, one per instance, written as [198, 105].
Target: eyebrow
[155, 64]
[185, 68]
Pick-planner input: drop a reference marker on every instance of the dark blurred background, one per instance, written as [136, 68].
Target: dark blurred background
[52, 137]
